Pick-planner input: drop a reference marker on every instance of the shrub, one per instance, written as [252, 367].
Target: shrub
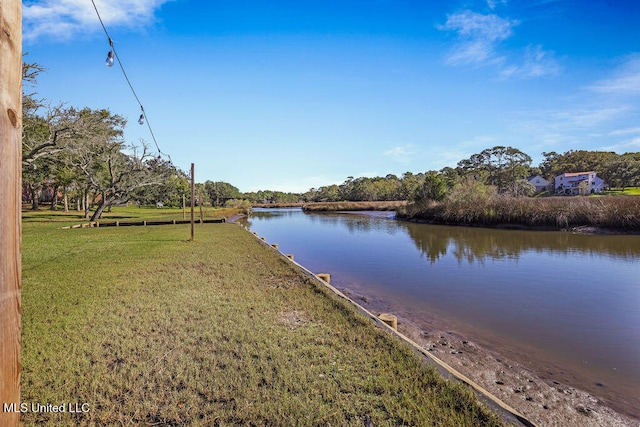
[245, 205]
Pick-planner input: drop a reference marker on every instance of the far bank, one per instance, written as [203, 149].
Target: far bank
[601, 214]
[588, 215]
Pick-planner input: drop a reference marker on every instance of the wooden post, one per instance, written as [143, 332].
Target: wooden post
[10, 206]
[325, 276]
[184, 207]
[193, 200]
[389, 319]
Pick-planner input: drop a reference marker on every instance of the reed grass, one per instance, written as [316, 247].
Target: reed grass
[610, 212]
[353, 206]
[278, 205]
[149, 328]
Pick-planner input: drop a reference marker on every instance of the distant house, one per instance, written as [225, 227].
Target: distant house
[571, 184]
[539, 182]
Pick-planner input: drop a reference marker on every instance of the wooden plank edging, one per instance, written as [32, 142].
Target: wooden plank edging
[98, 224]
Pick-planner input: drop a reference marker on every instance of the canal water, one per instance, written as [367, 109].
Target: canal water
[567, 304]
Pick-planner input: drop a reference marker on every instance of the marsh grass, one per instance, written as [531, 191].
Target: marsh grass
[612, 212]
[149, 328]
[353, 206]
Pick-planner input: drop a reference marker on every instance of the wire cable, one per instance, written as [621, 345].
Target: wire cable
[113, 49]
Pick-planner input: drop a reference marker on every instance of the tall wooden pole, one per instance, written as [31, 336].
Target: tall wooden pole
[193, 200]
[10, 206]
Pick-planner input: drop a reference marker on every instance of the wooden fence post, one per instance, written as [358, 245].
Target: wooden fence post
[10, 207]
[193, 201]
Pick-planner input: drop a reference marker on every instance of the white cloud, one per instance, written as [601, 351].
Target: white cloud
[479, 36]
[585, 126]
[493, 3]
[627, 131]
[479, 26]
[478, 44]
[571, 120]
[630, 140]
[591, 117]
[536, 63]
[628, 145]
[625, 80]
[474, 53]
[401, 154]
[64, 19]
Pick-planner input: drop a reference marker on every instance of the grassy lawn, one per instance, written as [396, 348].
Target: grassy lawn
[129, 213]
[628, 191]
[149, 328]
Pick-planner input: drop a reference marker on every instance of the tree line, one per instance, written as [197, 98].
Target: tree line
[500, 169]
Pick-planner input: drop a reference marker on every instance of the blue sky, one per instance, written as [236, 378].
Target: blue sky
[290, 95]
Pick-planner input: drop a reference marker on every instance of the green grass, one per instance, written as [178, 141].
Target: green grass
[129, 213]
[628, 191]
[150, 328]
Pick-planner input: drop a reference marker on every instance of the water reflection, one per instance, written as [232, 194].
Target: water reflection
[466, 244]
[354, 222]
[266, 214]
[477, 244]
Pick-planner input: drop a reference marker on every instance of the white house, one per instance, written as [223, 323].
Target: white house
[539, 182]
[578, 183]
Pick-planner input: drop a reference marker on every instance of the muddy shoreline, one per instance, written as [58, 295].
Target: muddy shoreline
[540, 393]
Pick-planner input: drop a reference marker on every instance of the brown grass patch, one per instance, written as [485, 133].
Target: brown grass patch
[611, 212]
